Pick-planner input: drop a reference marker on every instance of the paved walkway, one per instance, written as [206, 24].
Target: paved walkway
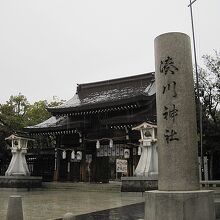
[129, 212]
[93, 202]
[53, 204]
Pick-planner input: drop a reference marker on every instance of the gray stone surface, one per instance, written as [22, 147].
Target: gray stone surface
[178, 197]
[15, 211]
[138, 184]
[148, 162]
[42, 204]
[18, 164]
[181, 205]
[20, 182]
[176, 116]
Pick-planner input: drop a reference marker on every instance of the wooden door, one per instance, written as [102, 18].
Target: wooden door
[75, 171]
[101, 173]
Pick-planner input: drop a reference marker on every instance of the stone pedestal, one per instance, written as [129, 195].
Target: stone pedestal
[148, 163]
[18, 165]
[17, 174]
[28, 182]
[179, 205]
[138, 183]
[15, 210]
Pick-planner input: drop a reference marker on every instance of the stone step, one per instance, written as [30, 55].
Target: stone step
[86, 187]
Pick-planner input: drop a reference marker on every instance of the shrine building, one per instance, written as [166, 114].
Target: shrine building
[94, 129]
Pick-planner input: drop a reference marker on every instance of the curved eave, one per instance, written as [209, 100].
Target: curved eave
[101, 105]
[71, 127]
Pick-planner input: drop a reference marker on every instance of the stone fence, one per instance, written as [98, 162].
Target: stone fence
[210, 183]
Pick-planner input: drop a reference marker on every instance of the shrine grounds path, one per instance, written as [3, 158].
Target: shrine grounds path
[86, 201]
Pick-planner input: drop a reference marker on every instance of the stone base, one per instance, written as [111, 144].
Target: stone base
[20, 182]
[179, 205]
[138, 184]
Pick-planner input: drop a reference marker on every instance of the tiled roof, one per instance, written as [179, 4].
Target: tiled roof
[57, 123]
[100, 94]
[51, 122]
[112, 91]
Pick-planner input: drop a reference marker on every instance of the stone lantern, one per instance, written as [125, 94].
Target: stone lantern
[148, 163]
[146, 173]
[18, 165]
[17, 174]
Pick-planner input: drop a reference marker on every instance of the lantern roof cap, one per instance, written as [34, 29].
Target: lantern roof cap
[23, 136]
[144, 125]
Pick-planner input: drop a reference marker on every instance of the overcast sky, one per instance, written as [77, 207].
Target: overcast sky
[48, 46]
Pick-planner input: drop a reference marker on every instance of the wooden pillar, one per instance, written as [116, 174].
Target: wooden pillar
[56, 160]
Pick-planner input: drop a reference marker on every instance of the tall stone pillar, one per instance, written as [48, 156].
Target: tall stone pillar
[178, 196]
[176, 113]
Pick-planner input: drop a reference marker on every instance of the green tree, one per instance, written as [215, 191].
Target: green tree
[18, 113]
[209, 83]
[12, 113]
[36, 113]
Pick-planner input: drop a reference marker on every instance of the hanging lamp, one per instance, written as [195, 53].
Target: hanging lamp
[64, 154]
[111, 143]
[97, 144]
[73, 154]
